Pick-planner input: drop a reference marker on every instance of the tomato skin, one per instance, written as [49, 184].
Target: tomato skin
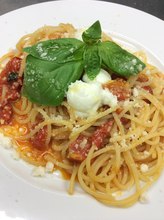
[12, 88]
[78, 150]
[39, 139]
[119, 88]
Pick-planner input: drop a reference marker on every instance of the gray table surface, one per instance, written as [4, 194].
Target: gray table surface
[154, 7]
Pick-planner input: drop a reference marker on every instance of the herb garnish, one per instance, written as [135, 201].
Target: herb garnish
[53, 65]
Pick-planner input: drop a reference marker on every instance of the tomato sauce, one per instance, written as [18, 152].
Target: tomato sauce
[11, 83]
[26, 148]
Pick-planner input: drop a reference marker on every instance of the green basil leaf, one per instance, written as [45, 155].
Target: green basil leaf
[92, 34]
[58, 50]
[46, 82]
[119, 60]
[92, 61]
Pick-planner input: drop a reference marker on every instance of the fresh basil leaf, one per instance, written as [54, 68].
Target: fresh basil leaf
[92, 61]
[119, 60]
[46, 82]
[58, 50]
[92, 34]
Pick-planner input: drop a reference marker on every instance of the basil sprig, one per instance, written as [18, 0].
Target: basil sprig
[52, 65]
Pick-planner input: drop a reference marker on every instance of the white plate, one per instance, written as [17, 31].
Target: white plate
[48, 199]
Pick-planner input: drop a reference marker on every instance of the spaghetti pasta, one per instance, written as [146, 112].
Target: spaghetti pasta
[136, 136]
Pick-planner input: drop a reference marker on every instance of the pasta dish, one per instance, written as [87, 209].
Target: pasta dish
[81, 104]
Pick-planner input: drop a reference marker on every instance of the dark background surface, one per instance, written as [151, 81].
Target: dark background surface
[154, 7]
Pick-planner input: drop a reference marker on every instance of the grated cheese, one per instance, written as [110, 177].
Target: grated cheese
[144, 133]
[15, 155]
[83, 143]
[147, 72]
[135, 92]
[38, 171]
[137, 105]
[144, 198]
[144, 168]
[5, 141]
[146, 153]
[49, 167]
[123, 143]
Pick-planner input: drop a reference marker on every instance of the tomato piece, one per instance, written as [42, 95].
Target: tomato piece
[39, 139]
[119, 88]
[148, 89]
[101, 133]
[142, 77]
[123, 120]
[6, 113]
[119, 110]
[78, 150]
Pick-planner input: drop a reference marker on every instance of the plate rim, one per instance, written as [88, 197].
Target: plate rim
[34, 5]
